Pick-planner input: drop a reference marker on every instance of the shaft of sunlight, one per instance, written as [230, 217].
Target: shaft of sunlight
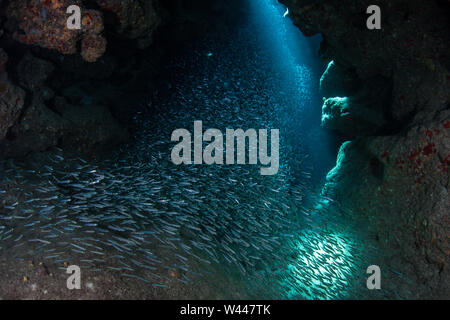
[325, 259]
[296, 58]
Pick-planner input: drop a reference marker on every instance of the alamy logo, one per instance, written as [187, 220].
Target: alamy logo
[74, 280]
[214, 151]
[74, 21]
[374, 21]
[374, 280]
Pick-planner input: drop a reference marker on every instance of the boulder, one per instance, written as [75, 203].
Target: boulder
[12, 99]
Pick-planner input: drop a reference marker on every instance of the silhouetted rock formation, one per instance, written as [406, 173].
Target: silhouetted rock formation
[393, 103]
[80, 88]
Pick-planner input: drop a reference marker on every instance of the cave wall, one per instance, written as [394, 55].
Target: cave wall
[79, 89]
[387, 92]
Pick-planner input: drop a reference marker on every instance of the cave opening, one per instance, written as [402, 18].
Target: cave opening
[89, 177]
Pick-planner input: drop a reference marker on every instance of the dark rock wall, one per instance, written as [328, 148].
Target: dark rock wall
[79, 89]
[388, 91]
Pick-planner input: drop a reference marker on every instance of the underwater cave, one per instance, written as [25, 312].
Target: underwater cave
[137, 148]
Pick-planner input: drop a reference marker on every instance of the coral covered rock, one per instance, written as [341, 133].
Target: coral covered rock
[400, 185]
[44, 23]
[337, 81]
[93, 47]
[349, 117]
[89, 70]
[354, 108]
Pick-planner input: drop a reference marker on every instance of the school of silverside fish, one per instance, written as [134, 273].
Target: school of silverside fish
[140, 215]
